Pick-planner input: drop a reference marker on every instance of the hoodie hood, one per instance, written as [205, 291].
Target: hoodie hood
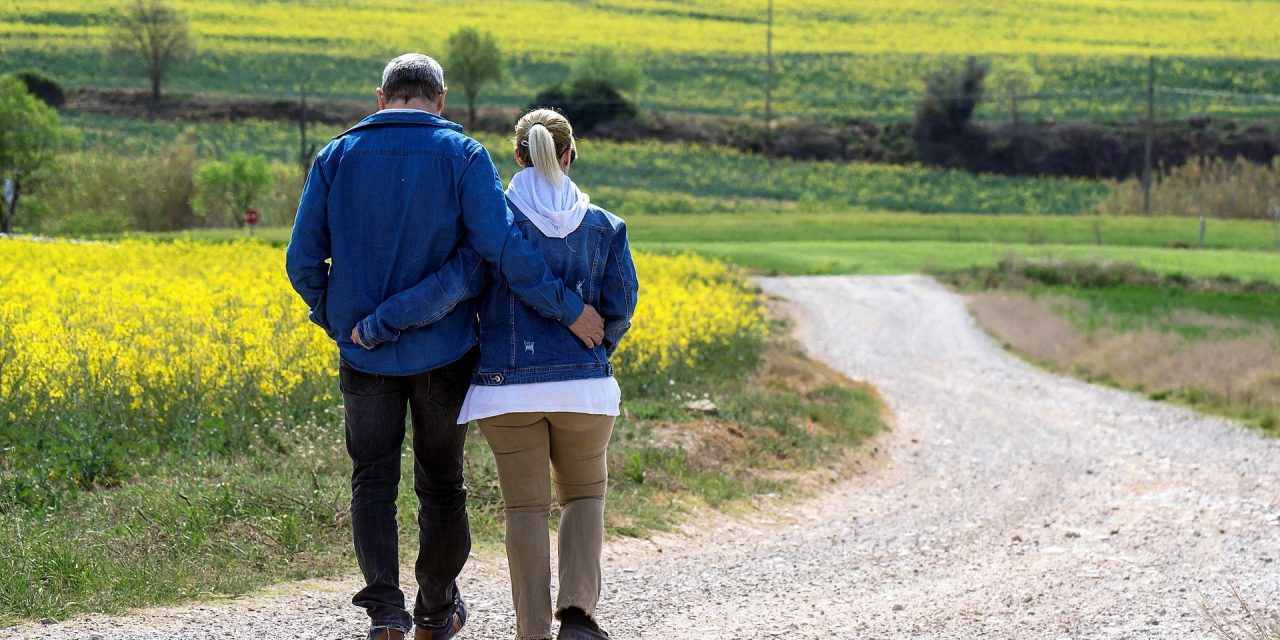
[555, 211]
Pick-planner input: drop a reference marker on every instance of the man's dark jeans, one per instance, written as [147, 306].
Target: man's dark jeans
[375, 408]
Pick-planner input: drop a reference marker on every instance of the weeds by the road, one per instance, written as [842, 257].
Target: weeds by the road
[1244, 621]
[1213, 344]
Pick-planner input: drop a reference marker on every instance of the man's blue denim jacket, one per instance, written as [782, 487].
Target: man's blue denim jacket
[386, 206]
[516, 344]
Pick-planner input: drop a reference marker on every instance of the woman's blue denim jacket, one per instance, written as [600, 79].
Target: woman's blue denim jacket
[386, 205]
[517, 345]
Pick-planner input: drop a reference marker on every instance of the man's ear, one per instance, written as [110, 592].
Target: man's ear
[382, 100]
[440, 100]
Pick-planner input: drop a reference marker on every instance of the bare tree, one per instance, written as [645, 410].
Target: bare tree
[152, 38]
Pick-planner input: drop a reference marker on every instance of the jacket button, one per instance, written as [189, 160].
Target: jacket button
[497, 378]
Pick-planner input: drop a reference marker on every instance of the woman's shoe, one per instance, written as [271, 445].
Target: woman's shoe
[575, 624]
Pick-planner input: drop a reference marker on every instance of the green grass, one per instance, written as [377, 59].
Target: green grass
[213, 526]
[794, 227]
[657, 178]
[822, 258]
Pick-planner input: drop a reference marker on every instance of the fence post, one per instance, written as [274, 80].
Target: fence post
[1151, 115]
[1202, 230]
[1275, 223]
[768, 78]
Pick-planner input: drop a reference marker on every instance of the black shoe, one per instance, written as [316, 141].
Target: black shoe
[575, 624]
[446, 629]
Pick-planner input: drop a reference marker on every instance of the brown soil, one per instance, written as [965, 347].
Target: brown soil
[1238, 370]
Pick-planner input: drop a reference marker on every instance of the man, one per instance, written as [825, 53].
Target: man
[386, 204]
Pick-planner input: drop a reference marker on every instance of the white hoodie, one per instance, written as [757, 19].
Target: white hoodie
[555, 211]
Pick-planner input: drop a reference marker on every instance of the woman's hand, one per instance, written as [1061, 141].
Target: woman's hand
[589, 327]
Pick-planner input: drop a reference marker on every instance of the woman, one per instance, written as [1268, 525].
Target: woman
[545, 402]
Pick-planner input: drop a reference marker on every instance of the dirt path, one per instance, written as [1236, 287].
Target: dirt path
[1011, 503]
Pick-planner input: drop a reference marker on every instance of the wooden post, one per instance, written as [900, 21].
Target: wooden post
[1275, 223]
[1151, 116]
[303, 160]
[1203, 224]
[768, 76]
[1014, 144]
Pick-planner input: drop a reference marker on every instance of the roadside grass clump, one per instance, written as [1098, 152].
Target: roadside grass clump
[1209, 343]
[1241, 619]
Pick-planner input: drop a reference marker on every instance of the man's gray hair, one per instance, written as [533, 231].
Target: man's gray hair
[412, 75]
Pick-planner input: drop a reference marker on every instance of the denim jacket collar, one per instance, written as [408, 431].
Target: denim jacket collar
[402, 116]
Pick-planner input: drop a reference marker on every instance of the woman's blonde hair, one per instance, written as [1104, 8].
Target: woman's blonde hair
[542, 136]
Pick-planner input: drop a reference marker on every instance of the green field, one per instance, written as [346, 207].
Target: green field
[834, 58]
[653, 177]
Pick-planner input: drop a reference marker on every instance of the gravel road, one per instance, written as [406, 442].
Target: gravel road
[1006, 503]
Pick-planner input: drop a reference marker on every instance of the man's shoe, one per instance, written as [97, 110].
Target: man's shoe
[444, 630]
[386, 633]
[575, 624]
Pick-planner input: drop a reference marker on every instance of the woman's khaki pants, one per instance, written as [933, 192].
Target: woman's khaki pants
[528, 447]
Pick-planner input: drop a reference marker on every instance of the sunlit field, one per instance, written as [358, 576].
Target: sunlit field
[835, 58]
[119, 358]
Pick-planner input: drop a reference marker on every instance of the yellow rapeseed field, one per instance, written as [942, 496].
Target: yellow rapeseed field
[111, 353]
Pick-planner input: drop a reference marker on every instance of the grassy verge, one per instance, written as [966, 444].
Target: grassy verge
[1212, 344]
[757, 227]
[821, 257]
[219, 525]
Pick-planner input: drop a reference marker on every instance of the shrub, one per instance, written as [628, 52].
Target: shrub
[586, 103]
[602, 64]
[225, 189]
[944, 130]
[103, 192]
[43, 87]
[1209, 187]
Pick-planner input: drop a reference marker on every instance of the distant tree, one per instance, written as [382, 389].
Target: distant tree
[226, 189]
[152, 38]
[472, 61]
[31, 136]
[951, 95]
[604, 65]
[943, 130]
[43, 87]
[1018, 79]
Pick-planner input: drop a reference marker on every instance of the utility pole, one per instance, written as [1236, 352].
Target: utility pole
[303, 160]
[1151, 116]
[768, 76]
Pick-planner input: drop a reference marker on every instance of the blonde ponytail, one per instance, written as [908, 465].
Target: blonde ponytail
[542, 137]
[542, 151]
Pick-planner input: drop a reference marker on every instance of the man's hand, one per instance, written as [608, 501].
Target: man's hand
[589, 327]
[355, 337]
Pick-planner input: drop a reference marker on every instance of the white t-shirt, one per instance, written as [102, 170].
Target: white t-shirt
[596, 396]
